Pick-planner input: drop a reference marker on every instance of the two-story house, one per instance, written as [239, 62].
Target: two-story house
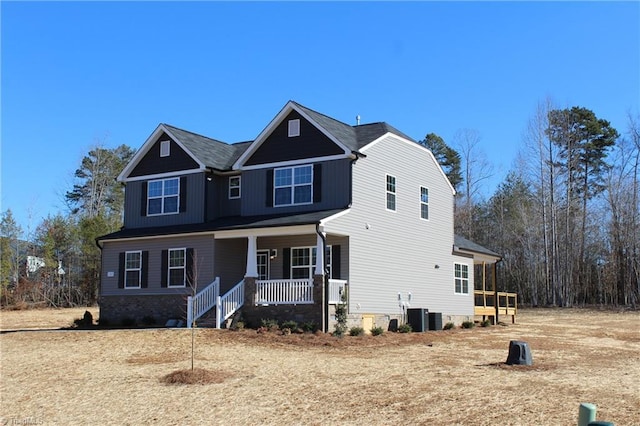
[242, 225]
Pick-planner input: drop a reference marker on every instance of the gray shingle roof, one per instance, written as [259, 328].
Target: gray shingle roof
[467, 245]
[221, 156]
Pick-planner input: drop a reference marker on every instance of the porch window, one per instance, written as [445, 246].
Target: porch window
[162, 196]
[293, 185]
[303, 262]
[391, 193]
[133, 269]
[461, 278]
[177, 267]
[424, 203]
[234, 187]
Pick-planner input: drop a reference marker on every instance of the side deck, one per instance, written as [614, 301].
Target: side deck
[485, 305]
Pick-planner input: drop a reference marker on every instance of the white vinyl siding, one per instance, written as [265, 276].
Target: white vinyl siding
[293, 186]
[424, 203]
[163, 196]
[133, 269]
[391, 192]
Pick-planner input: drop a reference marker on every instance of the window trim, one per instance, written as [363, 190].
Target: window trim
[232, 187]
[293, 186]
[126, 269]
[162, 197]
[391, 193]
[183, 267]
[293, 129]
[462, 279]
[424, 203]
[165, 148]
[311, 267]
[266, 253]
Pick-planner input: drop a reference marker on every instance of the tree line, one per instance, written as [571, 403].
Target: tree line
[565, 219]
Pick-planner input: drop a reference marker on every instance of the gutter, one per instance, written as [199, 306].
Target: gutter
[325, 279]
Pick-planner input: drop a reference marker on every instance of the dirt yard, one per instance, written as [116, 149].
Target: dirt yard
[457, 377]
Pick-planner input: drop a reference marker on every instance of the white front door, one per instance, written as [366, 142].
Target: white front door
[263, 264]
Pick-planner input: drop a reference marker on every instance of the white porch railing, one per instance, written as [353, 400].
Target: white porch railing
[228, 304]
[202, 302]
[284, 292]
[336, 288]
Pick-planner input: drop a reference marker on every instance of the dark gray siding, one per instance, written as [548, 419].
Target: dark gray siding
[335, 190]
[204, 253]
[225, 206]
[194, 209]
[152, 163]
[280, 147]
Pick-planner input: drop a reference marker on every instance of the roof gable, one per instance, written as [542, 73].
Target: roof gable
[332, 132]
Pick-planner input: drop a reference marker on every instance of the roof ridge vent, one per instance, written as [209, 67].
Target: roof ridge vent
[358, 120]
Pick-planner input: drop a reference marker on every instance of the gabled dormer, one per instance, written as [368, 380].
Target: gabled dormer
[299, 135]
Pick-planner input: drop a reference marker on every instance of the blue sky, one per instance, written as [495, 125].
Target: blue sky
[76, 74]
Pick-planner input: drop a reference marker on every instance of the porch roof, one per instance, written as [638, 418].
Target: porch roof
[224, 224]
[463, 244]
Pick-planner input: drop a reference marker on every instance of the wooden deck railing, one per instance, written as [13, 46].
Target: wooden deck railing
[485, 304]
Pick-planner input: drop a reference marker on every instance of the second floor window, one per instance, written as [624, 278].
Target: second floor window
[391, 193]
[293, 185]
[163, 196]
[234, 187]
[424, 203]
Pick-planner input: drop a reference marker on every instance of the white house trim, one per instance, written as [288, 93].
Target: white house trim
[151, 140]
[297, 162]
[164, 175]
[290, 106]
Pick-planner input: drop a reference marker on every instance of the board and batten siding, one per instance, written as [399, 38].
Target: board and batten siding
[194, 212]
[395, 252]
[334, 194]
[204, 254]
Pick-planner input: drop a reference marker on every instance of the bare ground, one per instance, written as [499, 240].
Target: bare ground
[81, 377]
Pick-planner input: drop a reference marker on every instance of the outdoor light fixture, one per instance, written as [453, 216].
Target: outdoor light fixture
[437, 266]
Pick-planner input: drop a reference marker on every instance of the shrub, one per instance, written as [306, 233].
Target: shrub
[309, 327]
[356, 331]
[269, 323]
[405, 328]
[468, 324]
[486, 323]
[291, 325]
[449, 326]
[377, 331]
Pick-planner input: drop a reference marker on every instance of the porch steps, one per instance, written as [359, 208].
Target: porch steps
[208, 320]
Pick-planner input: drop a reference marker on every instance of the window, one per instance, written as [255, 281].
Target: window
[424, 203]
[461, 272]
[177, 267]
[294, 127]
[234, 187]
[293, 185]
[263, 264]
[162, 196]
[133, 269]
[391, 193]
[164, 148]
[303, 262]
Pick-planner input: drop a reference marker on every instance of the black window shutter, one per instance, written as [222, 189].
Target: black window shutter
[183, 194]
[121, 271]
[190, 262]
[143, 199]
[335, 262]
[317, 183]
[269, 194]
[164, 268]
[286, 263]
[145, 269]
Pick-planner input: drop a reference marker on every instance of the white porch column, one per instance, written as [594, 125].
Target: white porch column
[252, 255]
[320, 254]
